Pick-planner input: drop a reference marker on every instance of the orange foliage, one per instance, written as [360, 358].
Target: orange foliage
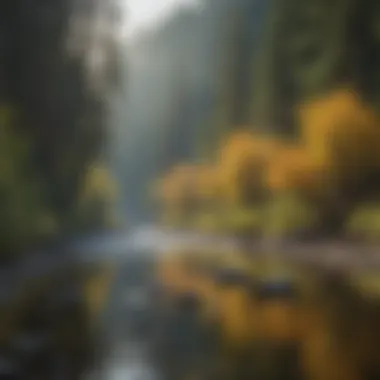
[242, 159]
[293, 168]
[339, 130]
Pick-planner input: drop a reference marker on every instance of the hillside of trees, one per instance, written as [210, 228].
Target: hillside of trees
[53, 119]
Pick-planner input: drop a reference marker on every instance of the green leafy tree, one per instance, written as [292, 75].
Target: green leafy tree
[25, 216]
[98, 199]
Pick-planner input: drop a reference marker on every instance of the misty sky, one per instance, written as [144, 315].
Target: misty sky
[143, 14]
[167, 51]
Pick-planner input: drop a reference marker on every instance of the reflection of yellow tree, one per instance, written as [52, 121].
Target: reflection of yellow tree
[235, 320]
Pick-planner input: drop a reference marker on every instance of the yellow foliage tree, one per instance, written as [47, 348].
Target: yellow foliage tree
[293, 168]
[298, 184]
[242, 161]
[341, 133]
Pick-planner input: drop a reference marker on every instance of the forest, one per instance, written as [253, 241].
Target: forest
[286, 121]
[290, 153]
[54, 176]
[295, 136]
[253, 119]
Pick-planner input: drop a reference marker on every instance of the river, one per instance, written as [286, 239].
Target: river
[126, 358]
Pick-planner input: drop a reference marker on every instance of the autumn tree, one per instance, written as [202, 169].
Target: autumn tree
[296, 183]
[242, 161]
[341, 134]
[340, 131]
[292, 168]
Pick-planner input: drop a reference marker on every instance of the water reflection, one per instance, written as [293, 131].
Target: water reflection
[280, 315]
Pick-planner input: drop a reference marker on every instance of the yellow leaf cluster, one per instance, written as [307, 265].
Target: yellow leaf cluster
[293, 168]
[340, 130]
[242, 160]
